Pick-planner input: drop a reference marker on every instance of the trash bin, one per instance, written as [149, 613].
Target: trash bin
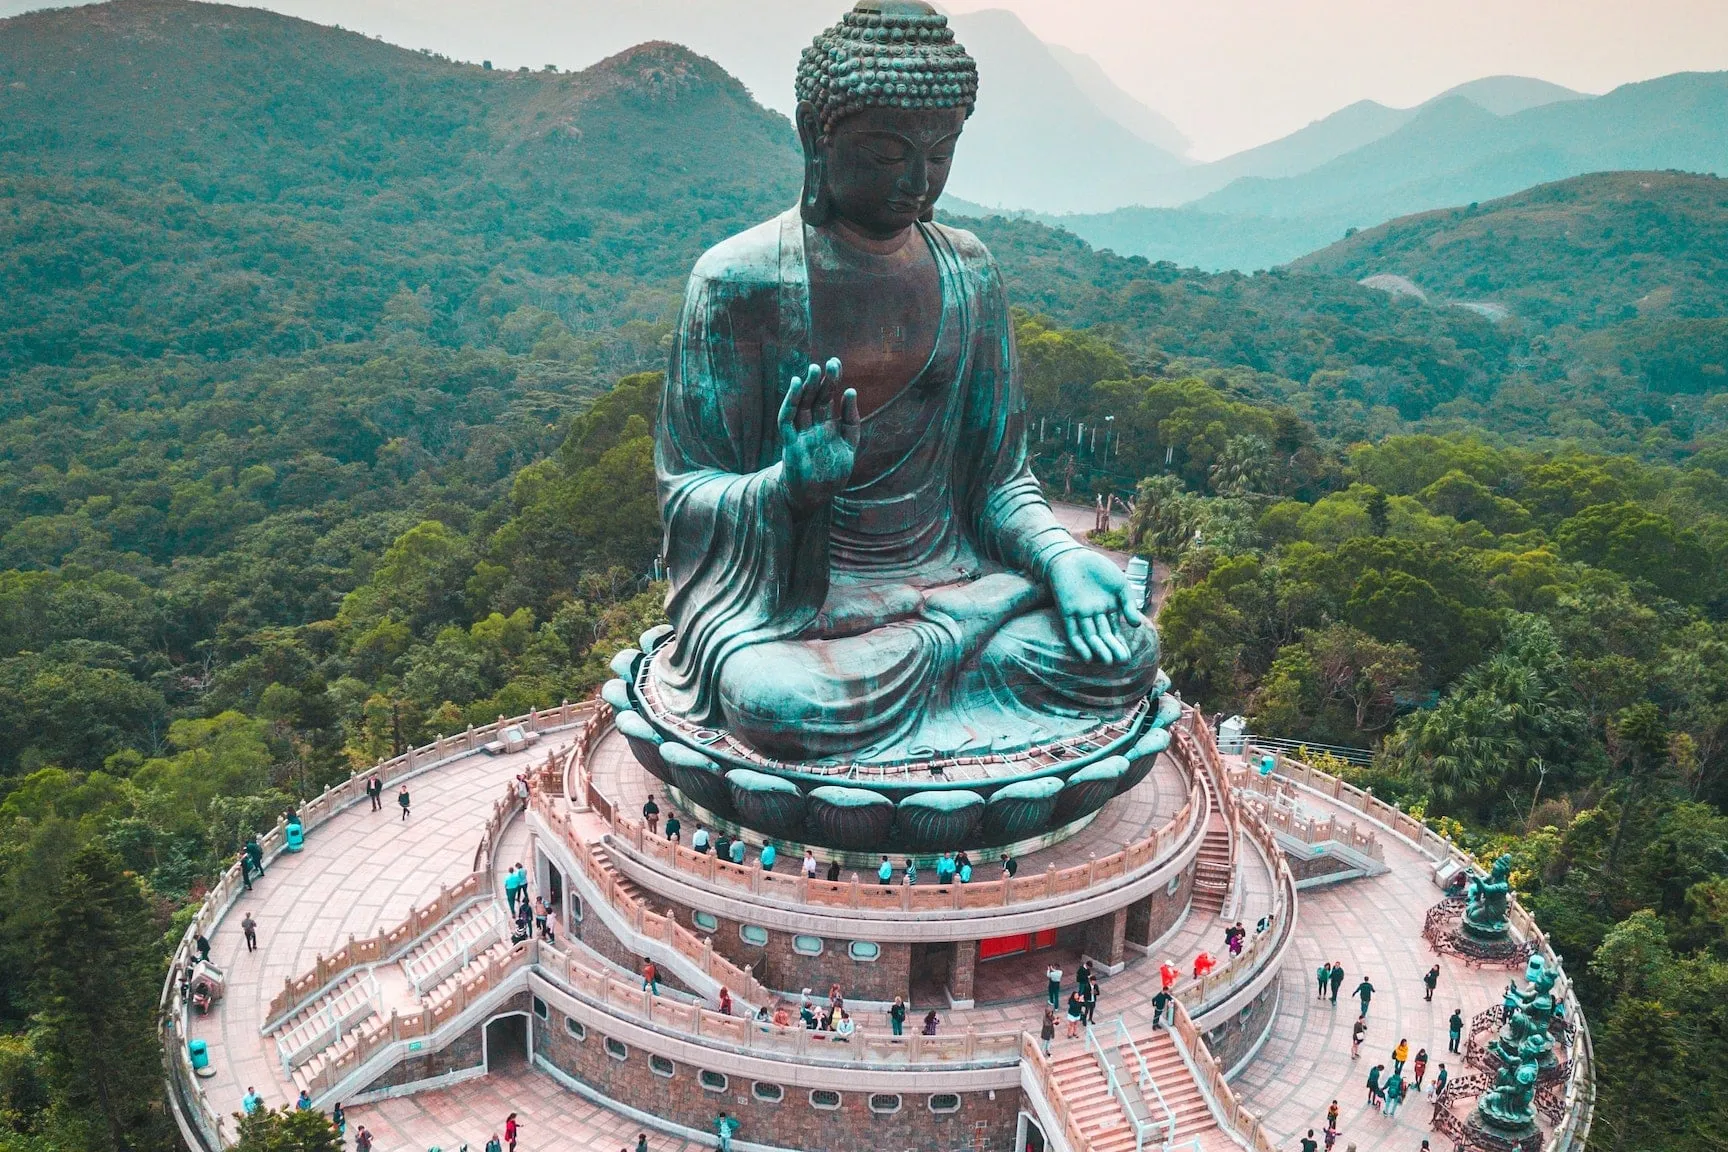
[293, 837]
[199, 1051]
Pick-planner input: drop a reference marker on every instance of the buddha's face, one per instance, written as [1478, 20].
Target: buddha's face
[885, 167]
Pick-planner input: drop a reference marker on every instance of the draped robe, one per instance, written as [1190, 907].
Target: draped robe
[909, 616]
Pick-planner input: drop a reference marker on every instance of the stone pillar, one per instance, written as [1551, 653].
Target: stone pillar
[1138, 932]
[1105, 941]
[961, 974]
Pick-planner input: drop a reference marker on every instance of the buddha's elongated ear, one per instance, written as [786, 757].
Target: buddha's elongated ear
[813, 200]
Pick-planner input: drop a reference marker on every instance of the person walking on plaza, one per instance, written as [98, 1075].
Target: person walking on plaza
[250, 927]
[512, 888]
[1440, 1079]
[493, 1145]
[338, 1119]
[1400, 1054]
[1374, 1085]
[1337, 978]
[641, 1142]
[1419, 1067]
[1309, 1144]
[1053, 978]
[1394, 1094]
[375, 792]
[651, 815]
[402, 799]
[897, 1016]
[511, 1131]
[1429, 981]
[1322, 977]
[251, 1102]
[1455, 1030]
[1076, 1014]
[304, 1102]
[1046, 1030]
[1357, 1031]
[1365, 991]
[362, 1139]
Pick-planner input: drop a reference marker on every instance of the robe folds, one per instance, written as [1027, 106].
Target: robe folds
[907, 618]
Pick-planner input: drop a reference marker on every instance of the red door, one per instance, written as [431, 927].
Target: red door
[1004, 946]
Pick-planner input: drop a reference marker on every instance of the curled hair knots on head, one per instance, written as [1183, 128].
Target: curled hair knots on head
[886, 53]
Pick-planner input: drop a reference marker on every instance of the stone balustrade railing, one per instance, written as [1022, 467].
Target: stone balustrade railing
[387, 942]
[1232, 1114]
[1276, 813]
[200, 1124]
[646, 922]
[758, 1037]
[1037, 1065]
[1580, 1094]
[796, 889]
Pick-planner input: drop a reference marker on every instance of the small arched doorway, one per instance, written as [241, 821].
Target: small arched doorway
[506, 1042]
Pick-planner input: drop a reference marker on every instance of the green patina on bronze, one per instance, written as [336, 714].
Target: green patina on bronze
[867, 573]
[1485, 909]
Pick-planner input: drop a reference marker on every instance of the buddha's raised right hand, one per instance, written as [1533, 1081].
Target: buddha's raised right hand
[819, 428]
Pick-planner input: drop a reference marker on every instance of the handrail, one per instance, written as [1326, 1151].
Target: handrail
[1142, 1128]
[1270, 801]
[1208, 1074]
[1032, 1057]
[201, 1124]
[1580, 1094]
[1146, 1081]
[1350, 755]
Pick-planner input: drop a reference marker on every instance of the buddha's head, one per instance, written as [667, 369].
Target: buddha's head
[882, 97]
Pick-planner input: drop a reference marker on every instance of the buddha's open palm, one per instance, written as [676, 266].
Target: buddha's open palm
[819, 429]
[1095, 605]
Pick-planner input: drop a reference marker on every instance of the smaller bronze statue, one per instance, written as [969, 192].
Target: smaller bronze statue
[1529, 1018]
[1508, 1110]
[1485, 909]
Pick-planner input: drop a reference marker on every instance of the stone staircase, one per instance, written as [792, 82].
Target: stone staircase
[1080, 1081]
[1212, 866]
[325, 1026]
[465, 936]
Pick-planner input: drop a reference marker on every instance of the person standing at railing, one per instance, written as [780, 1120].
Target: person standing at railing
[651, 815]
[375, 792]
[699, 842]
[1160, 1005]
[724, 1127]
[769, 855]
[897, 1016]
[884, 871]
[809, 864]
[1046, 1030]
[1455, 1030]
[1076, 1014]
[674, 830]
[736, 852]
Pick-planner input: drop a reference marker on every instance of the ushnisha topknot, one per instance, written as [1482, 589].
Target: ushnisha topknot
[886, 53]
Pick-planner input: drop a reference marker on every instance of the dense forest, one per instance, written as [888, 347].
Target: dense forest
[329, 371]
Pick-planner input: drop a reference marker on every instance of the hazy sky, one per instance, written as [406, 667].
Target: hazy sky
[1235, 73]
[1229, 73]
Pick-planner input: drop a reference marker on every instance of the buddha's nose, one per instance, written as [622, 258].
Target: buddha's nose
[916, 181]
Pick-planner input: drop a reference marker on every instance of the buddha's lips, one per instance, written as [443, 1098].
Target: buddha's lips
[906, 207]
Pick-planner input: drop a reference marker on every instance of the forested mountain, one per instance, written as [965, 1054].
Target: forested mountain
[327, 372]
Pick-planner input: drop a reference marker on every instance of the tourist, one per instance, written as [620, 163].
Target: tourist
[809, 864]
[1455, 1030]
[493, 1145]
[723, 847]
[725, 1001]
[965, 872]
[945, 868]
[362, 1139]
[1440, 1079]
[203, 946]
[542, 913]
[1234, 937]
[724, 1126]
[1160, 1003]
[1309, 1144]
[1400, 1054]
[251, 1102]
[1357, 1031]
[699, 842]
[1332, 1115]
[651, 815]
[255, 853]
[1322, 977]
[1053, 985]
[511, 1130]
[911, 871]
[513, 882]
[650, 978]
[1167, 975]
[1429, 981]
[1046, 1030]
[769, 855]
[375, 792]
[641, 1142]
[1083, 977]
[1090, 1000]
[833, 871]
[245, 863]
[304, 1102]
[338, 1119]
[835, 999]
[807, 1016]
[931, 1020]
[1374, 1085]
[1009, 866]
[1419, 1067]
[737, 853]
[250, 927]
[884, 871]
[1076, 1014]
[1365, 991]
[674, 830]
[843, 1027]
[782, 1016]
[1337, 978]
[1394, 1094]
[897, 1016]
[1331, 1136]
[402, 801]
[1203, 965]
